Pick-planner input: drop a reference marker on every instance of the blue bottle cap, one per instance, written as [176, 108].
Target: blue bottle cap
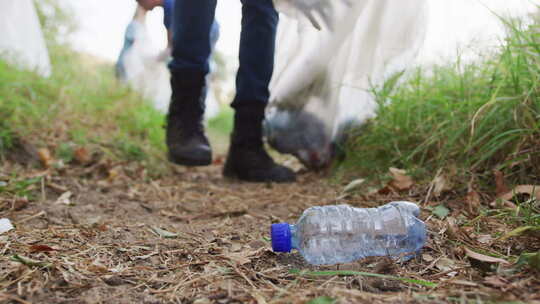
[281, 237]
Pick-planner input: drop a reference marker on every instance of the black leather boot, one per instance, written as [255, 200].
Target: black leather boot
[186, 141]
[247, 159]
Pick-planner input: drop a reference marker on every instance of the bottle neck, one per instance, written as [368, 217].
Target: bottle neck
[294, 237]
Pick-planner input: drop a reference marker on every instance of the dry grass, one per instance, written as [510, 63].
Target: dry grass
[192, 237]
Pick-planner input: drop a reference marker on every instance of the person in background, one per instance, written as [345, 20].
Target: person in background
[136, 57]
[129, 41]
[168, 6]
[187, 143]
[168, 12]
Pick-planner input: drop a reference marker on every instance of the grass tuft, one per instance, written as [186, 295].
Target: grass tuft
[81, 104]
[476, 117]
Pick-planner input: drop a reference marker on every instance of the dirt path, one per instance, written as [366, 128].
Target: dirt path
[100, 244]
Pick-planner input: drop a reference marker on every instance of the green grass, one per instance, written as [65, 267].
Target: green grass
[322, 300]
[80, 105]
[360, 273]
[474, 117]
[223, 122]
[82, 99]
[20, 187]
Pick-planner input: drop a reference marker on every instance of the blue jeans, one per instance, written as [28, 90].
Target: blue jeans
[192, 25]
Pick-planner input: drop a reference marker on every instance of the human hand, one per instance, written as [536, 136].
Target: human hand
[164, 55]
[321, 8]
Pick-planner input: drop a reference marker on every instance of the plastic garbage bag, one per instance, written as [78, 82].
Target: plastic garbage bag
[140, 67]
[21, 38]
[321, 85]
[5, 225]
[323, 78]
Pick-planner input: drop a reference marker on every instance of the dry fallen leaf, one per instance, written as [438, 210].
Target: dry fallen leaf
[353, 185]
[82, 156]
[202, 301]
[258, 297]
[532, 190]
[427, 258]
[452, 229]
[64, 199]
[462, 283]
[484, 258]
[441, 185]
[112, 175]
[445, 264]
[500, 183]
[236, 247]
[455, 232]
[384, 191]
[401, 181]
[97, 268]
[20, 203]
[40, 248]
[496, 281]
[484, 239]
[45, 157]
[500, 203]
[239, 258]
[473, 201]
[219, 160]
[163, 233]
[506, 197]
[243, 257]
[257, 244]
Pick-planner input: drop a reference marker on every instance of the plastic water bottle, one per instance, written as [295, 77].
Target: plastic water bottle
[342, 234]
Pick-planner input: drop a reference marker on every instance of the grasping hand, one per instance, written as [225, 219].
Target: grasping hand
[313, 8]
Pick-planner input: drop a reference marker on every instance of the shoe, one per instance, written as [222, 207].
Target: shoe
[247, 159]
[186, 142]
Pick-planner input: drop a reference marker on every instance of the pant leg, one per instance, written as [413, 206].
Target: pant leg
[257, 46]
[192, 24]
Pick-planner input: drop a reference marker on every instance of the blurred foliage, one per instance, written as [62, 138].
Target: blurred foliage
[56, 21]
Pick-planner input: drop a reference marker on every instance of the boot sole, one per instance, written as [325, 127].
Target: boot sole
[189, 162]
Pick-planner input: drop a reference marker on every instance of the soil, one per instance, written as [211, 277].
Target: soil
[109, 233]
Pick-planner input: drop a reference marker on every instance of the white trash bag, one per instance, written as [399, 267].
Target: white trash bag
[323, 78]
[139, 67]
[21, 38]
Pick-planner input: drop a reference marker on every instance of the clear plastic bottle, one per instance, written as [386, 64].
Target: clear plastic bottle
[342, 234]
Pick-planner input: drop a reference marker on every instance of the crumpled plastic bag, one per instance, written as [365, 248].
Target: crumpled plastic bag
[139, 67]
[323, 77]
[21, 38]
[321, 85]
[5, 225]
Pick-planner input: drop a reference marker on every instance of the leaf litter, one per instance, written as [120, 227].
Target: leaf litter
[190, 236]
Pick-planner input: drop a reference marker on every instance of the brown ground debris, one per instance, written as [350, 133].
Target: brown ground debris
[119, 236]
